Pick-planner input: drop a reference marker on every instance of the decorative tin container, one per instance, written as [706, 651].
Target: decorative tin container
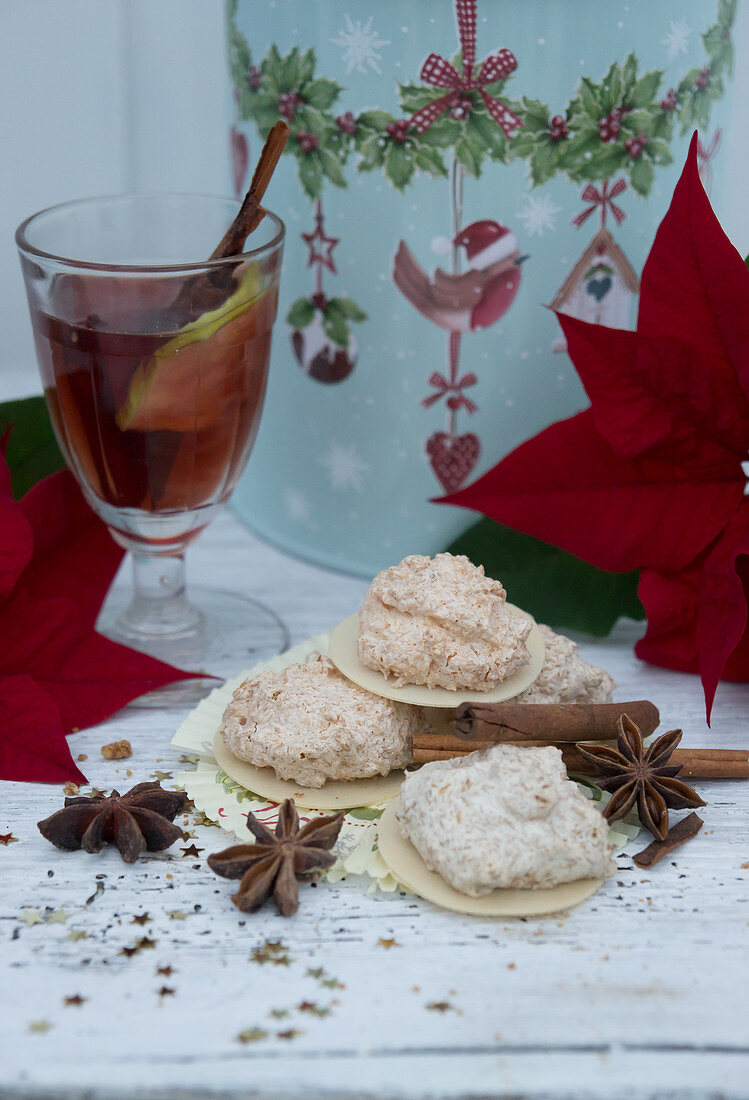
[454, 168]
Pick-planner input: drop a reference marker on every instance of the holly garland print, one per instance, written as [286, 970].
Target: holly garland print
[600, 118]
[458, 119]
[321, 143]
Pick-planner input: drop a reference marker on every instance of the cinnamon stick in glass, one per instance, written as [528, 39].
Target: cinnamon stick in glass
[251, 213]
[503, 722]
[209, 290]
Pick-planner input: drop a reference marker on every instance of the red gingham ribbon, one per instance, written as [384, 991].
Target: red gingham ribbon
[457, 399]
[602, 200]
[441, 74]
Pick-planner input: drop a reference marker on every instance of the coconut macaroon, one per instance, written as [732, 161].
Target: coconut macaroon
[503, 817]
[310, 724]
[566, 677]
[443, 623]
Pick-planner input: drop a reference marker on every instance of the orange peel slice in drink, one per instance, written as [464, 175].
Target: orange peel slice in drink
[190, 381]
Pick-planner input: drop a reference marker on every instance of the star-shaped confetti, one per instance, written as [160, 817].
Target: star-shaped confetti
[439, 1006]
[191, 852]
[56, 916]
[199, 818]
[76, 934]
[177, 914]
[38, 1027]
[141, 918]
[292, 1033]
[324, 254]
[272, 951]
[166, 991]
[161, 776]
[313, 1009]
[8, 838]
[165, 971]
[75, 1001]
[252, 1035]
[31, 916]
[327, 981]
[387, 944]
[141, 945]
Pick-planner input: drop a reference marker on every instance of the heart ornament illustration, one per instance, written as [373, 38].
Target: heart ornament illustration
[452, 457]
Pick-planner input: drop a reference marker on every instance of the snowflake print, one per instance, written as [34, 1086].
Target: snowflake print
[360, 45]
[677, 39]
[538, 215]
[297, 505]
[345, 466]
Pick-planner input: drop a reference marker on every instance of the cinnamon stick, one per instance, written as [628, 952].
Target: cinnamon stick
[504, 722]
[712, 763]
[679, 834]
[210, 289]
[251, 212]
[426, 753]
[695, 763]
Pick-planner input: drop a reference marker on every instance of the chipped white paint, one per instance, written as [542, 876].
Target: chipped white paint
[639, 991]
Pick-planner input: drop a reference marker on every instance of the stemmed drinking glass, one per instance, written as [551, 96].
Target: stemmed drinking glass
[154, 364]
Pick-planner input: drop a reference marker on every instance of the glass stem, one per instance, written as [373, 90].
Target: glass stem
[159, 606]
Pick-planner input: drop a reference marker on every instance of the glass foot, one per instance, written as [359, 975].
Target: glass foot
[232, 634]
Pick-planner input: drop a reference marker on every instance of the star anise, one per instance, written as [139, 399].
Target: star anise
[138, 821]
[273, 865]
[633, 773]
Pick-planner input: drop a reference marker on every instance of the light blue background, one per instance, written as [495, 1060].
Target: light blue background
[383, 513]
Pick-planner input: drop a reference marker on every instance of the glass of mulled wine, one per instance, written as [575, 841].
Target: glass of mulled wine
[154, 365]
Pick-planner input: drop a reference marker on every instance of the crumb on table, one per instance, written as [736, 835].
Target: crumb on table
[117, 750]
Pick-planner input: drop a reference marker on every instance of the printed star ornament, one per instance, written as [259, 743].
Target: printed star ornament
[652, 475]
[324, 253]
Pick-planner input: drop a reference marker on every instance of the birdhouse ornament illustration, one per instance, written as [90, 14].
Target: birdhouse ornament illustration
[602, 287]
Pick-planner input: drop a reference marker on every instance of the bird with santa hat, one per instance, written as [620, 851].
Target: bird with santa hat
[477, 298]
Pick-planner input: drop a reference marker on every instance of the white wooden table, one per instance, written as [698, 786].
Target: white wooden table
[641, 991]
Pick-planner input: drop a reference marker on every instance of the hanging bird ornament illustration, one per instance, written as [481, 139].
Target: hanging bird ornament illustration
[475, 299]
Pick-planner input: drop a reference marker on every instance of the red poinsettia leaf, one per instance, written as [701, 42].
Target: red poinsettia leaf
[88, 676]
[74, 554]
[737, 665]
[102, 677]
[16, 538]
[695, 619]
[722, 602]
[695, 284]
[32, 740]
[670, 602]
[648, 392]
[568, 487]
